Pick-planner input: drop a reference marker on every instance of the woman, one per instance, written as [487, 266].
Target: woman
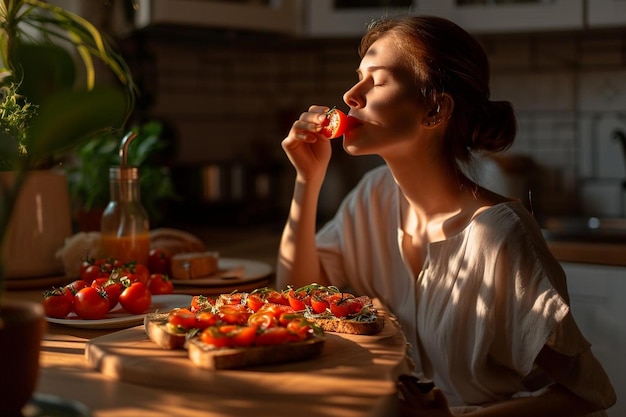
[477, 292]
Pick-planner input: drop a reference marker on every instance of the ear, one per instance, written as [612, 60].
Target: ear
[441, 110]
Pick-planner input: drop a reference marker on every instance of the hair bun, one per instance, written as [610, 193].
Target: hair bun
[495, 132]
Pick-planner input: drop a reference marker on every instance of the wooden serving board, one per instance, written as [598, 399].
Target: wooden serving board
[358, 372]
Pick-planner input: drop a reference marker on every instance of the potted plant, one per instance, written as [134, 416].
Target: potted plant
[44, 115]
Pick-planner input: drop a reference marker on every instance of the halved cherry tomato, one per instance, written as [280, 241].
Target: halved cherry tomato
[255, 301]
[232, 298]
[319, 303]
[214, 337]
[300, 327]
[343, 304]
[136, 298]
[242, 336]
[299, 300]
[91, 303]
[335, 125]
[277, 309]
[233, 313]
[56, 303]
[274, 336]
[231, 335]
[182, 317]
[201, 302]
[205, 319]
[286, 318]
[277, 297]
[160, 284]
[263, 319]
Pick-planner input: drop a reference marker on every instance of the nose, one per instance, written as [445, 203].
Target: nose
[353, 97]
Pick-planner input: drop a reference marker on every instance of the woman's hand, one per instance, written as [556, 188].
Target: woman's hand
[415, 401]
[308, 150]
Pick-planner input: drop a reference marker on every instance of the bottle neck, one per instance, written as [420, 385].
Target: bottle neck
[125, 191]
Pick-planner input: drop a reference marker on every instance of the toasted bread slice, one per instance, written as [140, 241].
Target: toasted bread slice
[160, 333]
[208, 357]
[351, 326]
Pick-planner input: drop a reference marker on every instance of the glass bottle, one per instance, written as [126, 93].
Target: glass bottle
[125, 228]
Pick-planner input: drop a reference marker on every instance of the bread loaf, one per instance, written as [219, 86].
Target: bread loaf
[194, 265]
[173, 241]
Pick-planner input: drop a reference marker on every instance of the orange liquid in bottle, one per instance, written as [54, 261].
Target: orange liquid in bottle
[128, 248]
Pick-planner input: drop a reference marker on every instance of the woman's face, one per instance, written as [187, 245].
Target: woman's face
[385, 99]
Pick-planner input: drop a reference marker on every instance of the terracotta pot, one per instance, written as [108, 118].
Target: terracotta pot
[41, 222]
[21, 329]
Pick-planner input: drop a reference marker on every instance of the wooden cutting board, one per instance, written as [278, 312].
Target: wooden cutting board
[353, 376]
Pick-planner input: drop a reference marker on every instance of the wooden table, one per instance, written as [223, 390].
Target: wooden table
[354, 375]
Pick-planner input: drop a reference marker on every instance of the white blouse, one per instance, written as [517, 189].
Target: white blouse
[485, 303]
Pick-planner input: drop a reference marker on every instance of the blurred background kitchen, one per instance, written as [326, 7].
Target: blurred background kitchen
[227, 78]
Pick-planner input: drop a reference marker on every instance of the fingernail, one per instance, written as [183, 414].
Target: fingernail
[321, 117]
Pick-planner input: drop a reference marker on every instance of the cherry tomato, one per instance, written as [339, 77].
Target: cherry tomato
[76, 286]
[299, 327]
[343, 304]
[137, 272]
[319, 303]
[273, 336]
[242, 336]
[214, 337]
[56, 303]
[234, 313]
[84, 265]
[336, 124]
[182, 317]
[231, 299]
[278, 297]
[136, 298]
[205, 319]
[158, 262]
[263, 320]
[91, 303]
[299, 300]
[160, 284]
[255, 302]
[277, 309]
[201, 302]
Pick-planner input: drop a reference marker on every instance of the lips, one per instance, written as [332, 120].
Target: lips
[352, 122]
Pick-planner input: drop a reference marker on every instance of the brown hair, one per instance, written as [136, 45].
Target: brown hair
[447, 59]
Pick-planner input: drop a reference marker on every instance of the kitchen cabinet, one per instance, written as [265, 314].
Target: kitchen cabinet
[343, 18]
[596, 295]
[509, 16]
[605, 13]
[278, 16]
[330, 18]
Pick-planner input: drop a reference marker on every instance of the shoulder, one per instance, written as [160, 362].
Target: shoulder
[506, 218]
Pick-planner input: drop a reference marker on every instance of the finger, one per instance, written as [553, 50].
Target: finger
[319, 109]
[414, 383]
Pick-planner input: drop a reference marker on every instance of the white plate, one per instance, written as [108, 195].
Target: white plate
[230, 271]
[118, 318]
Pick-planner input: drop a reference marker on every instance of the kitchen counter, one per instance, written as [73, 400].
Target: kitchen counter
[589, 252]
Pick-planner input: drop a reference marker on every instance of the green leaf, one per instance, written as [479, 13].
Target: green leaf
[44, 69]
[67, 118]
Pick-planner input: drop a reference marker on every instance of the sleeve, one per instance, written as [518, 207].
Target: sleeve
[533, 311]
